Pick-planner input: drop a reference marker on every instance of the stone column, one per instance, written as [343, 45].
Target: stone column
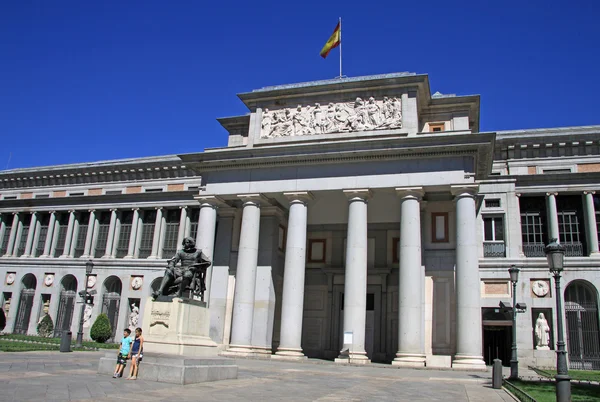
[15, 236]
[245, 282]
[188, 226]
[591, 225]
[157, 232]
[292, 304]
[36, 237]
[182, 220]
[111, 234]
[468, 299]
[553, 231]
[207, 225]
[55, 232]
[87, 248]
[134, 233]
[138, 237]
[410, 289]
[2, 228]
[117, 235]
[30, 235]
[355, 285]
[69, 239]
[75, 235]
[50, 235]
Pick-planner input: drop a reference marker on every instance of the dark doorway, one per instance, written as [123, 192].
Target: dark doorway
[66, 306]
[497, 342]
[29, 283]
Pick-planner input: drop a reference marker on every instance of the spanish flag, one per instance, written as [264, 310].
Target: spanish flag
[334, 41]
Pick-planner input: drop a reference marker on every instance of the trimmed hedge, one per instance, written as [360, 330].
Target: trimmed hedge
[46, 327]
[101, 330]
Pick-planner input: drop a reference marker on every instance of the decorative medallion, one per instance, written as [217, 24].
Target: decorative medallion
[136, 282]
[91, 282]
[49, 279]
[540, 288]
[10, 278]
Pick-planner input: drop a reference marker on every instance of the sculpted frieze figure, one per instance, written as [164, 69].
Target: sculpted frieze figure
[336, 118]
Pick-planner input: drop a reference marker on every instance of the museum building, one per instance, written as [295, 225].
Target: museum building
[361, 219]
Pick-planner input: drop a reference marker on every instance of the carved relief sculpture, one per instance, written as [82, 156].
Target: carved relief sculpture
[10, 278]
[134, 317]
[336, 118]
[87, 316]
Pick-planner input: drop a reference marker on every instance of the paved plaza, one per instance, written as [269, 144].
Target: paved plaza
[53, 376]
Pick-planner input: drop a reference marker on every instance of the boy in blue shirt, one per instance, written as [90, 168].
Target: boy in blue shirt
[123, 353]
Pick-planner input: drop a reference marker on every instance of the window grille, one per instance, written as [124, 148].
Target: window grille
[492, 203]
[39, 250]
[493, 236]
[149, 221]
[80, 241]
[532, 229]
[171, 233]
[61, 234]
[4, 244]
[23, 240]
[568, 229]
[103, 228]
[194, 216]
[123, 243]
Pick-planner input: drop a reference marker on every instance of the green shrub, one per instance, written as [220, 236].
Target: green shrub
[46, 327]
[101, 330]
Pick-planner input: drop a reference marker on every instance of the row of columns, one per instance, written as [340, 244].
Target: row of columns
[410, 313]
[73, 227]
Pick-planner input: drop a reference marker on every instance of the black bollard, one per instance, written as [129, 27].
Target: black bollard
[65, 341]
[497, 374]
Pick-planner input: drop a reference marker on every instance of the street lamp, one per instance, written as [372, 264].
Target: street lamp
[89, 266]
[514, 361]
[555, 254]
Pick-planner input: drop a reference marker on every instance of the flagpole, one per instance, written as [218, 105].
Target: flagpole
[340, 47]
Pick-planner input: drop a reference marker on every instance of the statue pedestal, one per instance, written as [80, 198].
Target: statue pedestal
[178, 327]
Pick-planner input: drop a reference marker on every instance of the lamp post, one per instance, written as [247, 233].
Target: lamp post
[89, 266]
[514, 360]
[555, 254]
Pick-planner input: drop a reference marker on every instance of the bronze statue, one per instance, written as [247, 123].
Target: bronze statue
[190, 274]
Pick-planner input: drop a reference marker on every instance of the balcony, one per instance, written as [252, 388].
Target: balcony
[574, 249]
[494, 249]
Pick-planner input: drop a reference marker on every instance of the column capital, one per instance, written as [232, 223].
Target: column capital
[299, 196]
[135, 209]
[90, 210]
[589, 192]
[71, 211]
[518, 195]
[362, 193]
[464, 190]
[158, 208]
[16, 212]
[551, 193]
[255, 198]
[210, 201]
[410, 192]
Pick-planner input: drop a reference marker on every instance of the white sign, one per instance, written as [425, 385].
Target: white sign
[348, 338]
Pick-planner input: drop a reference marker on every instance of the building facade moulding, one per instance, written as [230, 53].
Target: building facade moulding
[410, 192]
[212, 200]
[301, 196]
[360, 193]
[464, 190]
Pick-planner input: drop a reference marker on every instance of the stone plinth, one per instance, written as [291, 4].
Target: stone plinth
[544, 358]
[175, 369]
[178, 327]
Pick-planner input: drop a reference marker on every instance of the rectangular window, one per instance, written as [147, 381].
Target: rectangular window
[436, 127]
[492, 203]
[568, 229]
[532, 231]
[103, 228]
[84, 223]
[171, 232]
[149, 220]
[317, 250]
[113, 192]
[8, 228]
[124, 234]
[194, 216]
[26, 219]
[493, 236]
[439, 227]
[38, 249]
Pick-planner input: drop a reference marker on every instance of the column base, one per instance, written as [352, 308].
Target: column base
[242, 351]
[474, 363]
[595, 254]
[289, 354]
[25, 256]
[153, 257]
[44, 256]
[413, 360]
[346, 357]
[128, 257]
[262, 350]
[65, 256]
[107, 257]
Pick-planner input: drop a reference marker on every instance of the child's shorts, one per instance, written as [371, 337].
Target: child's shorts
[138, 360]
[121, 359]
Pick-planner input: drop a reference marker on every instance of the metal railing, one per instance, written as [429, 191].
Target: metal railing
[519, 393]
[574, 249]
[494, 249]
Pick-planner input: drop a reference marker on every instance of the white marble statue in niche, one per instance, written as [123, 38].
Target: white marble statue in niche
[87, 316]
[359, 115]
[134, 317]
[542, 333]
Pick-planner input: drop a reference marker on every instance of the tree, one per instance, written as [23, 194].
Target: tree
[101, 330]
[45, 327]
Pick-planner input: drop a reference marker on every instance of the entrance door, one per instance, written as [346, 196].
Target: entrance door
[110, 306]
[370, 323]
[583, 335]
[497, 341]
[65, 313]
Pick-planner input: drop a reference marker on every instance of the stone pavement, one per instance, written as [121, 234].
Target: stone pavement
[54, 376]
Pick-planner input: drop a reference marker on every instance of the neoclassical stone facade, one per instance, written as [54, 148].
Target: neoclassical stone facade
[356, 220]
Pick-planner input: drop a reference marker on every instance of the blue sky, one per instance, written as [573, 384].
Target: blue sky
[83, 81]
